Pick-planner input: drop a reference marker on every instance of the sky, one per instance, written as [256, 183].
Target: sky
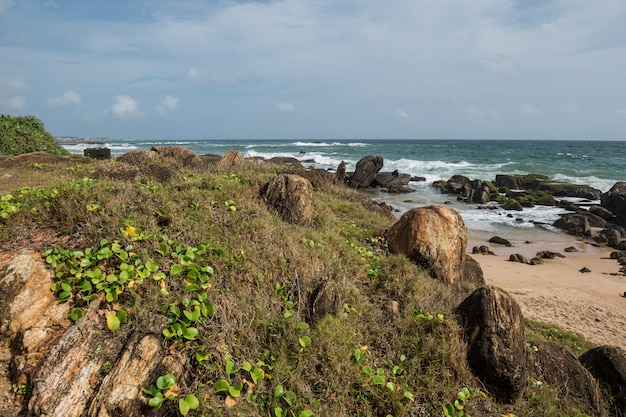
[317, 69]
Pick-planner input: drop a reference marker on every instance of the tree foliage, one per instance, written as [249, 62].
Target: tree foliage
[23, 134]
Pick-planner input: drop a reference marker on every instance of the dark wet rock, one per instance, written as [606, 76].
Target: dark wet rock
[501, 241]
[536, 261]
[574, 224]
[97, 153]
[608, 365]
[511, 204]
[558, 189]
[584, 270]
[340, 174]
[602, 212]
[418, 179]
[285, 160]
[365, 171]
[614, 200]
[472, 272]
[570, 249]
[494, 329]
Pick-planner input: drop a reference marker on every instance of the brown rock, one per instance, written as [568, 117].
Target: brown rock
[494, 329]
[555, 366]
[472, 272]
[433, 237]
[30, 320]
[325, 300]
[231, 160]
[292, 197]
[608, 365]
[183, 156]
[516, 257]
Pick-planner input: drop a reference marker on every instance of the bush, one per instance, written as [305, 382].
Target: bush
[24, 134]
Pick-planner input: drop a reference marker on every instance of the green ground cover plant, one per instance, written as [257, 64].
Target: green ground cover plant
[233, 283]
[23, 134]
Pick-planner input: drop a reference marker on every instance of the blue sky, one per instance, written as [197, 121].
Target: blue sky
[325, 69]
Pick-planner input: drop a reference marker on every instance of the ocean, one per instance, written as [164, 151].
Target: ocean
[599, 164]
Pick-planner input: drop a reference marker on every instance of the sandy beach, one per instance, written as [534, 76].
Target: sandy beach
[556, 292]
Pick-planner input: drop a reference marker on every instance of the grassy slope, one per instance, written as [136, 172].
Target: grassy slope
[263, 265]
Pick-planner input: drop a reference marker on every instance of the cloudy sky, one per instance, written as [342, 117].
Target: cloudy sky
[326, 69]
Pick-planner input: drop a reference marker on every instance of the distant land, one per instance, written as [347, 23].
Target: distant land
[73, 140]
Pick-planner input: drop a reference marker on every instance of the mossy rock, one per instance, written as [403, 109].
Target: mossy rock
[511, 204]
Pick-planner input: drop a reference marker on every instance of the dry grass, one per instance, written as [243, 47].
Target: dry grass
[265, 264]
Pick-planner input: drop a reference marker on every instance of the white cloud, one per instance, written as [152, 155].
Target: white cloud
[125, 107]
[15, 82]
[530, 111]
[404, 116]
[69, 98]
[168, 103]
[284, 107]
[5, 5]
[196, 74]
[16, 103]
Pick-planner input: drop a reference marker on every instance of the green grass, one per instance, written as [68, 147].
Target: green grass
[264, 271]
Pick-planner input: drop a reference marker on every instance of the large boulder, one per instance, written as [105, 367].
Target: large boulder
[365, 171]
[494, 330]
[292, 197]
[614, 200]
[559, 189]
[434, 237]
[231, 160]
[182, 156]
[608, 365]
[553, 365]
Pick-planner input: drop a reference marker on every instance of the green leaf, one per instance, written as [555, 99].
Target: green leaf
[76, 313]
[448, 410]
[156, 401]
[113, 323]
[229, 367]
[366, 370]
[305, 413]
[279, 391]
[391, 386]
[278, 412]
[66, 287]
[176, 269]
[165, 382]
[246, 366]
[303, 325]
[257, 374]
[305, 341]
[378, 380]
[183, 407]
[190, 333]
[192, 401]
[290, 397]
[409, 395]
[235, 391]
[122, 316]
[221, 385]
[64, 296]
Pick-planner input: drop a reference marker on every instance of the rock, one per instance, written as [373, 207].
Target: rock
[30, 319]
[536, 261]
[501, 241]
[511, 204]
[612, 236]
[183, 157]
[138, 158]
[602, 212]
[324, 300]
[584, 270]
[520, 182]
[457, 185]
[340, 174]
[608, 365]
[142, 361]
[284, 160]
[292, 197]
[614, 200]
[482, 250]
[558, 189]
[232, 160]
[516, 257]
[546, 254]
[574, 224]
[418, 179]
[473, 273]
[97, 153]
[494, 330]
[435, 238]
[553, 365]
[571, 249]
[365, 171]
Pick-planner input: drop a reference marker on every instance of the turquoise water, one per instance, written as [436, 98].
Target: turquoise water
[596, 163]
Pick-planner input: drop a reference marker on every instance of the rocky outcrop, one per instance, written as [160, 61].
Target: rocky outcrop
[494, 330]
[553, 365]
[324, 300]
[365, 171]
[66, 369]
[433, 237]
[31, 319]
[579, 224]
[614, 200]
[500, 240]
[291, 196]
[180, 155]
[608, 365]
[394, 182]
